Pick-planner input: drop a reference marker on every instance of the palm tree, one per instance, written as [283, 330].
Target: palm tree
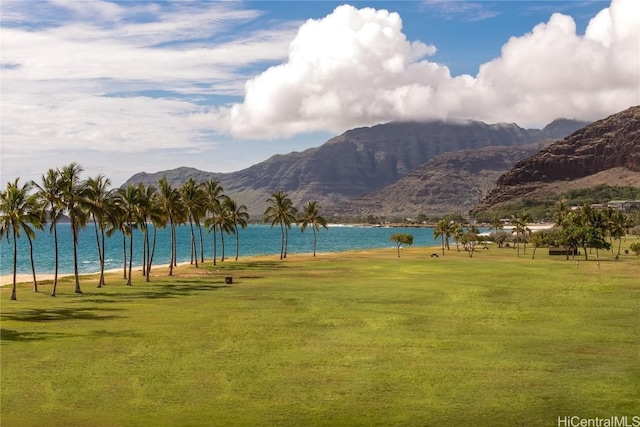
[620, 225]
[495, 224]
[145, 212]
[560, 214]
[280, 210]
[237, 216]
[169, 202]
[129, 199]
[310, 217]
[50, 195]
[97, 199]
[19, 211]
[594, 219]
[442, 228]
[520, 222]
[193, 199]
[218, 220]
[73, 194]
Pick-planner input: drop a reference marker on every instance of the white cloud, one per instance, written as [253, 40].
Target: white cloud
[73, 74]
[356, 67]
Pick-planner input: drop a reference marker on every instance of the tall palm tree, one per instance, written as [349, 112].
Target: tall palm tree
[595, 219]
[145, 211]
[193, 199]
[50, 195]
[158, 220]
[560, 214]
[213, 192]
[442, 228]
[310, 216]
[19, 211]
[280, 211]
[169, 202]
[237, 215]
[620, 226]
[73, 194]
[520, 222]
[129, 199]
[218, 220]
[97, 199]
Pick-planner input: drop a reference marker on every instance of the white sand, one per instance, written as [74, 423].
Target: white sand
[28, 278]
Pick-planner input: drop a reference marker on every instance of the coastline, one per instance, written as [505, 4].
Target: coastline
[7, 279]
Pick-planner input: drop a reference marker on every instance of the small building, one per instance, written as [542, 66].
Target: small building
[562, 250]
[620, 205]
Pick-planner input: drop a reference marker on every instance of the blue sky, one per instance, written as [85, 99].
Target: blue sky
[122, 86]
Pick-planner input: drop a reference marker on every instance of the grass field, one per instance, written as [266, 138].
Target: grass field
[355, 339]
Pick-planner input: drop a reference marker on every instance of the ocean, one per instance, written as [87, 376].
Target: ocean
[254, 240]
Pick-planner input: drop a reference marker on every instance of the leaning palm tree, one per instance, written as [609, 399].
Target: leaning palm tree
[237, 215]
[310, 216]
[49, 193]
[280, 211]
[73, 194]
[97, 198]
[19, 211]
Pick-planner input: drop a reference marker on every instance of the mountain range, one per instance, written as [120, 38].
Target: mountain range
[605, 152]
[398, 167]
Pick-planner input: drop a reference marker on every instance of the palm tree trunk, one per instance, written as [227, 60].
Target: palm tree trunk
[130, 254]
[124, 255]
[314, 241]
[171, 231]
[222, 241]
[215, 245]
[201, 242]
[75, 256]
[55, 247]
[174, 251]
[237, 241]
[33, 267]
[153, 252]
[286, 240]
[281, 240]
[100, 257]
[102, 260]
[15, 264]
[194, 249]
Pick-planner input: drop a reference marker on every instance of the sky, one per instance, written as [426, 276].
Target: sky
[122, 87]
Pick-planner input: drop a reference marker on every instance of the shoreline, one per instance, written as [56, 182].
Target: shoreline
[7, 279]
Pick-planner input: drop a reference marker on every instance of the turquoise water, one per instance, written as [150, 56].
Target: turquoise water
[255, 240]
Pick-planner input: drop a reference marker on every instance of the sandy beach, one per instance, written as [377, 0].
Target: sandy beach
[7, 279]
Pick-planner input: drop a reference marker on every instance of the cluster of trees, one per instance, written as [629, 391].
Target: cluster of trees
[585, 229]
[62, 194]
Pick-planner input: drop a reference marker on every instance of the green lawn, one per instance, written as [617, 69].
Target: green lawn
[361, 338]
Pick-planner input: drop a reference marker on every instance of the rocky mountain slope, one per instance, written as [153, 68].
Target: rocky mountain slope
[358, 162]
[610, 144]
[448, 183]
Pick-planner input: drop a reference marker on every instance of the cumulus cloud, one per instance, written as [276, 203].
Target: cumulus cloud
[355, 67]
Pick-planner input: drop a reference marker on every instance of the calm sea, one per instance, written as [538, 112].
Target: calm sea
[254, 240]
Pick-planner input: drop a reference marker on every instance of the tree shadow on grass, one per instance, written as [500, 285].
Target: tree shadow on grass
[225, 266]
[11, 335]
[52, 314]
[179, 288]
